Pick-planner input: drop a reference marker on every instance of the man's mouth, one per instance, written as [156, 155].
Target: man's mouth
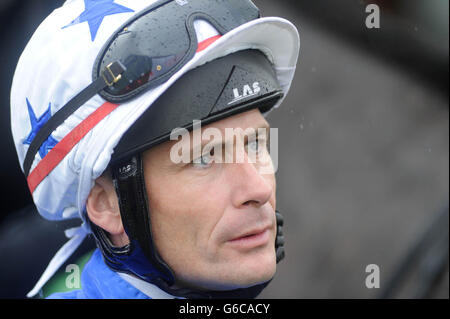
[251, 239]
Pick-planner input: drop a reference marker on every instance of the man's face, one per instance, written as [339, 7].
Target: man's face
[214, 223]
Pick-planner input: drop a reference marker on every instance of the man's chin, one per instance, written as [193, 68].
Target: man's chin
[240, 284]
[249, 276]
[238, 272]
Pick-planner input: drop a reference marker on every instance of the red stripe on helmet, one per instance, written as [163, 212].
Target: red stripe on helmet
[60, 151]
[204, 44]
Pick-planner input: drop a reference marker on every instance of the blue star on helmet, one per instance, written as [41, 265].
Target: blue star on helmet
[36, 124]
[94, 13]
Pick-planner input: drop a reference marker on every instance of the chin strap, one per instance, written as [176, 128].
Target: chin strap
[140, 257]
[279, 241]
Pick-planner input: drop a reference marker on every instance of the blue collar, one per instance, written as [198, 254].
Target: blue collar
[100, 282]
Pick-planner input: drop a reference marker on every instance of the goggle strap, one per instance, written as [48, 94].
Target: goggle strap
[110, 75]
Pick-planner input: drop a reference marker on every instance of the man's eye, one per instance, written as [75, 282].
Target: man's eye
[254, 145]
[257, 145]
[203, 161]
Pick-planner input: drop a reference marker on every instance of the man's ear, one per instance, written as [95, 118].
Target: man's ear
[102, 207]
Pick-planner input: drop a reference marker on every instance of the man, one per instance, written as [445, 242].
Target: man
[97, 130]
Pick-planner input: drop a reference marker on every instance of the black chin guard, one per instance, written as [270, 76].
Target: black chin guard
[130, 187]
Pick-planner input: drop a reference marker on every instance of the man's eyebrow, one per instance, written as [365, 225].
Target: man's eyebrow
[264, 125]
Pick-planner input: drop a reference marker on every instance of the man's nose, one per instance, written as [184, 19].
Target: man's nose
[249, 186]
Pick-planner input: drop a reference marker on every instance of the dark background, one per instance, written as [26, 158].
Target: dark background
[363, 153]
